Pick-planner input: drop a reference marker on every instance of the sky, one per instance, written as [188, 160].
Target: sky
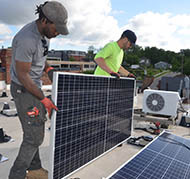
[163, 24]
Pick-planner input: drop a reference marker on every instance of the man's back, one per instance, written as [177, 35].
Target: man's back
[27, 47]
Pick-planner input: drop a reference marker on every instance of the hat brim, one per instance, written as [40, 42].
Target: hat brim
[133, 44]
[62, 29]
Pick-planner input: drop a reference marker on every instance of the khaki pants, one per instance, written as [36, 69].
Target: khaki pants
[33, 132]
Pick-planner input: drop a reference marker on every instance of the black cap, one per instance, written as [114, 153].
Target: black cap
[130, 35]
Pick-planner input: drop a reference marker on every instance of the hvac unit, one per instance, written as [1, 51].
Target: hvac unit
[161, 102]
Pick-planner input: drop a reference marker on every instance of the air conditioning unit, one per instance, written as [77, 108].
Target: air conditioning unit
[161, 102]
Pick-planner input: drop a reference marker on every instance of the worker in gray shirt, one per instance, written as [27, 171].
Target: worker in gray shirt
[29, 52]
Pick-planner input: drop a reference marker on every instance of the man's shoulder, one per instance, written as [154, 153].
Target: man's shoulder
[27, 32]
[110, 44]
[26, 38]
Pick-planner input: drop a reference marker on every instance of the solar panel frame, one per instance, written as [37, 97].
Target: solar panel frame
[53, 122]
[149, 151]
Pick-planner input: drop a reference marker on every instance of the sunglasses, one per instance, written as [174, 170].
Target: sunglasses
[45, 46]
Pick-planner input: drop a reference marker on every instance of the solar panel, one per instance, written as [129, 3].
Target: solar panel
[166, 157]
[95, 115]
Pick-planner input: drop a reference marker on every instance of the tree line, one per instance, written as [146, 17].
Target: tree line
[180, 61]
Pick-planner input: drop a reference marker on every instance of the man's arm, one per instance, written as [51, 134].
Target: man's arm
[46, 66]
[22, 70]
[102, 64]
[123, 71]
[49, 70]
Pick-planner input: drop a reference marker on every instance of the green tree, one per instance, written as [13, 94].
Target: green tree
[186, 69]
[154, 54]
[176, 65]
[137, 50]
[130, 59]
[91, 52]
[186, 52]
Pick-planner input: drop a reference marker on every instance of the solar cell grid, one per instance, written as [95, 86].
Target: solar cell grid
[94, 116]
[163, 158]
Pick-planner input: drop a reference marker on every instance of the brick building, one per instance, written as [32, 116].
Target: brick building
[5, 57]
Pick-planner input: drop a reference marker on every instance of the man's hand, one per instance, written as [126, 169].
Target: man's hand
[48, 105]
[50, 71]
[117, 75]
[131, 75]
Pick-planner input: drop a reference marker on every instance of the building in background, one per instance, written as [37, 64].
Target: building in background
[5, 58]
[62, 60]
[144, 61]
[162, 65]
[67, 55]
[59, 55]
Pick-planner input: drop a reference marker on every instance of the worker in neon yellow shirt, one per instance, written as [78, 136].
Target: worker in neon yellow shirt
[109, 59]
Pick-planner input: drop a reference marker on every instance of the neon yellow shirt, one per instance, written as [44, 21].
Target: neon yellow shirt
[113, 56]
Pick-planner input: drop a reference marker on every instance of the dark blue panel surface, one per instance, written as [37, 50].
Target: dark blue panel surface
[166, 157]
[94, 115]
[120, 105]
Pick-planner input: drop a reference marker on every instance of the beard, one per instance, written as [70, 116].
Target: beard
[47, 33]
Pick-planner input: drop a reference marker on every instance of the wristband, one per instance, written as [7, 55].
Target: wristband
[48, 69]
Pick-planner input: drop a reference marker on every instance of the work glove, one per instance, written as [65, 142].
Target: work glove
[131, 75]
[117, 75]
[48, 105]
[50, 71]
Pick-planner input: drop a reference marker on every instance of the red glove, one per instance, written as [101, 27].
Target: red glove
[50, 71]
[131, 75]
[49, 105]
[117, 75]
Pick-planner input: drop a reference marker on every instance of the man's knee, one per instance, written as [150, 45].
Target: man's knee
[35, 138]
[38, 140]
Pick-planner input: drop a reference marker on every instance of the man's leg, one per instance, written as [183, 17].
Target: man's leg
[36, 162]
[33, 133]
[23, 161]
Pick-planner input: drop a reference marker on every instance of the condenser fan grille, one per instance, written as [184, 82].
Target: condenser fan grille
[155, 102]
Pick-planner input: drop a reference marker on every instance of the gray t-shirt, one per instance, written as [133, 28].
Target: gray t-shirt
[27, 46]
